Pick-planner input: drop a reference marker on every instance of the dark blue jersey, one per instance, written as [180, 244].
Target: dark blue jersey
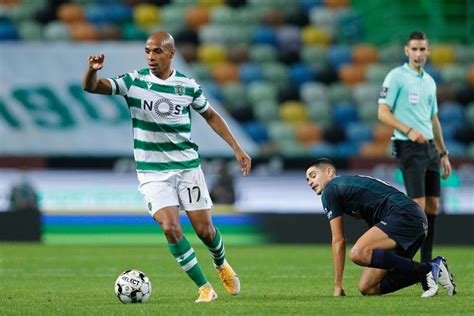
[363, 197]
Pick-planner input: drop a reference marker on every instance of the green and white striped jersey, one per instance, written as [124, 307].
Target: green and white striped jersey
[161, 118]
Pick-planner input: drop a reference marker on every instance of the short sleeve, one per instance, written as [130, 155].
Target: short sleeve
[331, 203]
[390, 87]
[199, 103]
[121, 84]
[434, 106]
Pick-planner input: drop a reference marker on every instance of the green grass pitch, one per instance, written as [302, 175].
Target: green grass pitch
[41, 279]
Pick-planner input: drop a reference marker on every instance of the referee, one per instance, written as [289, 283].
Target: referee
[408, 103]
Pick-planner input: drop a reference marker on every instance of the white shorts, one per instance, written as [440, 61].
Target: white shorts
[185, 189]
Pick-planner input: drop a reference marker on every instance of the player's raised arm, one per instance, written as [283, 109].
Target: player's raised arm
[222, 129]
[338, 254]
[90, 83]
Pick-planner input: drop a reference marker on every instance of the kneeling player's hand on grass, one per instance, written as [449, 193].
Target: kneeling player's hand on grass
[339, 291]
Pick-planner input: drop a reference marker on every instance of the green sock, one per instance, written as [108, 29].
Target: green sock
[217, 250]
[184, 254]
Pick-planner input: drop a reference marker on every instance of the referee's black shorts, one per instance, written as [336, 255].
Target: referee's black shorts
[420, 165]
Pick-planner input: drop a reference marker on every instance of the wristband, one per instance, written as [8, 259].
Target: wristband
[443, 153]
[409, 130]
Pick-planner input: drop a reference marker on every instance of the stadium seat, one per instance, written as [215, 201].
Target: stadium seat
[210, 88]
[30, 31]
[367, 112]
[307, 5]
[173, 15]
[391, 54]
[351, 27]
[8, 31]
[454, 74]
[336, 4]
[146, 15]
[358, 132]
[366, 92]
[442, 55]
[347, 149]
[470, 76]
[301, 73]
[200, 71]
[210, 3]
[197, 17]
[279, 131]
[266, 111]
[352, 74]
[212, 34]
[289, 38]
[470, 150]
[109, 32]
[224, 73]
[250, 72]
[456, 149]
[338, 56]
[339, 92]
[264, 35]
[469, 113]
[322, 149]
[84, 31]
[344, 114]
[131, 32]
[211, 54]
[434, 72]
[313, 91]
[382, 133]
[450, 112]
[308, 134]
[262, 53]
[320, 113]
[273, 18]
[56, 31]
[70, 13]
[314, 56]
[234, 94]
[238, 54]
[325, 17]
[293, 112]
[257, 131]
[376, 73]
[276, 74]
[261, 91]
[364, 54]
[374, 150]
[313, 35]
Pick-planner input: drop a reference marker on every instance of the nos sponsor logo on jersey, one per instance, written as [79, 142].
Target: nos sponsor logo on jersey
[162, 107]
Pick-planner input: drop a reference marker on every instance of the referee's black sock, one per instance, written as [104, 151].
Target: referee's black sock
[426, 250]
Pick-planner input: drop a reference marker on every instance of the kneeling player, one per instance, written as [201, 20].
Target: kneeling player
[398, 227]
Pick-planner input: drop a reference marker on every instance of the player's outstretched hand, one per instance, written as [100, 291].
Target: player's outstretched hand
[96, 62]
[245, 162]
[339, 291]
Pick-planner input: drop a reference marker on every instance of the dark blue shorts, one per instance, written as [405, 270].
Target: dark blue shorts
[408, 228]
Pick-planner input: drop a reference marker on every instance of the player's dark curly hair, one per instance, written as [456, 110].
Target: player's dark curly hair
[320, 161]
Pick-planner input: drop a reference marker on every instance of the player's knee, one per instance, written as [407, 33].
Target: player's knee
[172, 232]
[206, 233]
[366, 289]
[357, 256]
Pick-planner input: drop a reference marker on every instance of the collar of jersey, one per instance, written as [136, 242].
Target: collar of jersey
[413, 72]
[173, 73]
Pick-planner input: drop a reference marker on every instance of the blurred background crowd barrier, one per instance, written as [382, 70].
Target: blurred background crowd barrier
[293, 83]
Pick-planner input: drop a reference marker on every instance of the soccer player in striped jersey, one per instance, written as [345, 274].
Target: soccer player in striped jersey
[168, 164]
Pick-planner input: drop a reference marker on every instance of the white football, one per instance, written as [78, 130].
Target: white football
[133, 286]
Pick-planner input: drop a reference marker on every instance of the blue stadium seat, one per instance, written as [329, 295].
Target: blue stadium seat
[338, 56]
[343, 114]
[347, 149]
[8, 31]
[451, 112]
[358, 132]
[323, 149]
[250, 72]
[309, 4]
[256, 131]
[264, 35]
[301, 73]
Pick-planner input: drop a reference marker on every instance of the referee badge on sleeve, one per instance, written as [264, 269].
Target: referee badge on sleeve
[383, 93]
